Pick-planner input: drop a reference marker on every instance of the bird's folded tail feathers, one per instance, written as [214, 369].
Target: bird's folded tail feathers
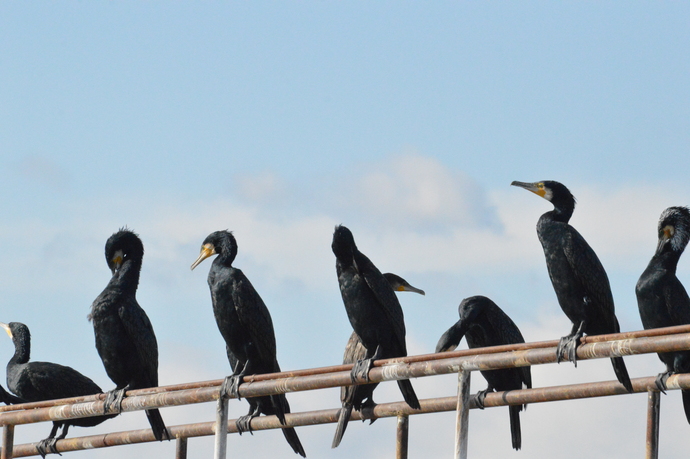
[686, 404]
[343, 420]
[515, 432]
[408, 393]
[621, 372]
[157, 425]
[293, 440]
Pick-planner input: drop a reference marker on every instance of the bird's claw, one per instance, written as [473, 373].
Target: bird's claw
[113, 401]
[231, 387]
[243, 424]
[660, 381]
[47, 446]
[479, 398]
[567, 349]
[360, 370]
[367, 411]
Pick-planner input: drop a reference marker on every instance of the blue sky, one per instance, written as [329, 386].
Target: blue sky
[404, 121]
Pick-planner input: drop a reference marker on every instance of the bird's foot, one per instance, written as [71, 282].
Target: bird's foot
[113, 401]
[243, 424]
[567, 348]
[661, 379]
[47, 446]
[231, 387]
[479, 398]
[367, 411]
[360, 370]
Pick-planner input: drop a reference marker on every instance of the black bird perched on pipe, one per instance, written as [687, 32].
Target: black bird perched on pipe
[484, 324]
[361, 396]
[373, 309]
[578, 278]
[124, 334]
[661, 298]
[38, 381]
[245, 323]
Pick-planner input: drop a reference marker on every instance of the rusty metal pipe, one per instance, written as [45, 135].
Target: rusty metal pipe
[435, 405]
[462, 415]
[390, 372]
[653, 410]
[402, 436]
[7, 442]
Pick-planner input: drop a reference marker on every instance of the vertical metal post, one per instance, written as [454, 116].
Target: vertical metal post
[462, 415]
[181, 448]
[653, 409]
[221, 442]
[402, 436]
[7, 442]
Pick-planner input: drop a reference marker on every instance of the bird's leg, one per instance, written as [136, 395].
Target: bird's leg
[231, 386]
[113, 400]
[47, 445]
[243, 423]
[660, 381]
[567, 346]
[360, 370]
[480, 396]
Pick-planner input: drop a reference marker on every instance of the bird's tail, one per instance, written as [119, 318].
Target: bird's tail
[157, 425]
[621, 372]
[686, 404]
[408, 393]
[515, 432]
[293, 440]
[343, 419]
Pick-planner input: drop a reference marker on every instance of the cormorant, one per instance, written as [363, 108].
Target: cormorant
[484, 324]
[578, 278]
[361, 396]
[38, 381]
[245, 323]
[124, 334]
[373, 309]
[661, 298]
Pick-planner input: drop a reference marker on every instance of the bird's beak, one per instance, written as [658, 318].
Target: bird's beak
[7, 329]
[409, 288]
[667, 234]
[536, 188]
[117, 261]
[206, 251]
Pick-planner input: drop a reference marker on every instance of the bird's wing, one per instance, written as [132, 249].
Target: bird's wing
[254, 315]
[384, 294]
[140, 331]
[678, 303]
[592, 278]
[55, 381]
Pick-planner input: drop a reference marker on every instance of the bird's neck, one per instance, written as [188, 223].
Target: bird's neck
[668, 259]
[127, 277]
[559, 214]
[22, 351]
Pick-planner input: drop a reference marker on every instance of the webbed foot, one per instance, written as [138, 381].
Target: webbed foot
[567, 348]
[480, 396]
[47, 446]
[113, 401]
[660, 381]
[231, 387]
[243, 424]
[360, 370]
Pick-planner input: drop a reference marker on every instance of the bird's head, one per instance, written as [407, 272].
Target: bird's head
[674, 229]
[123, 246]
[343, 244]
[554, 192]
[219, 242]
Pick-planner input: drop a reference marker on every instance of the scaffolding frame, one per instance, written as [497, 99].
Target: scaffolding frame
[462, 362]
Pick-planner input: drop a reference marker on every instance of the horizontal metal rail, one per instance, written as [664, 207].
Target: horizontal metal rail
[667, 331]
[383, 410]
[393, 371]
